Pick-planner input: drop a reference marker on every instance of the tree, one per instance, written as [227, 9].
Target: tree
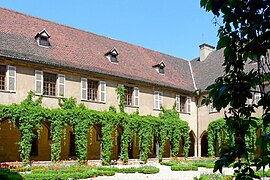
[244, 36]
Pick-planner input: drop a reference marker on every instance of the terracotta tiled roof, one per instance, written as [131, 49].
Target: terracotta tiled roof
[81, 50]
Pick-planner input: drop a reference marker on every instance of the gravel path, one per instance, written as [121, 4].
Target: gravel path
[165, 173]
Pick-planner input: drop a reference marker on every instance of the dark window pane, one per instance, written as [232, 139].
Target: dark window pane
[49, 84]
[2, 77]
[92, 90]
[128, 96]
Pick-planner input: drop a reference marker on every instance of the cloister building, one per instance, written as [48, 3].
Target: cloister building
[55, 61]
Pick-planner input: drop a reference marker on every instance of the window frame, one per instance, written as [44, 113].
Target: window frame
[100, 90]
[4, 76]
[52, 85]
[159, 100]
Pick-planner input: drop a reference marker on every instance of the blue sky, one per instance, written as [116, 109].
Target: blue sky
[175, 27]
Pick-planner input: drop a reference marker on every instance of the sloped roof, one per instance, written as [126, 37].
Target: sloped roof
[81, 50]
[205, 72]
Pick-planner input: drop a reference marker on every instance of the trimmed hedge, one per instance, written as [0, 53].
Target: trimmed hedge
[184, 168]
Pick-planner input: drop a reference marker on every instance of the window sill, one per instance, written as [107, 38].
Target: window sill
[157, 109]
[98, 102]
[47, 96]
[130, 106]
[185, 113]
[213, 112]
[10, 92]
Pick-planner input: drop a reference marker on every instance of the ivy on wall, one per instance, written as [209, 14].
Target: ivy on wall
[29, 116]
[220, 134]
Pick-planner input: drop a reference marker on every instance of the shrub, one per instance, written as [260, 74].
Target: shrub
[7, 174]
[184, 168]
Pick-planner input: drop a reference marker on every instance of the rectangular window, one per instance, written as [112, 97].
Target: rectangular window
[183, 100]
[49, 84]
[128, 95]
[184, 104]
[157, 100]
[8, 78]
[92, 89]
[2, 77]
[211, 107]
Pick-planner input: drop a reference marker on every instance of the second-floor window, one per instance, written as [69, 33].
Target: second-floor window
[2, 77]
[8, 78]
[158, 99]
[211, 107]
[92, 90]
[49, 84]
[131, 96]
[183, 104]
[128, 96]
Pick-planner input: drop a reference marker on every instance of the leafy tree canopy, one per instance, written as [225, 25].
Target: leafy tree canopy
[244, 37]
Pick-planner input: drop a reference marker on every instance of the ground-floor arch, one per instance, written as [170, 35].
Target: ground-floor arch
[204, 144]
[192, 138]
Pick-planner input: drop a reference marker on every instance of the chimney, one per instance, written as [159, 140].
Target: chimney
[205, 50]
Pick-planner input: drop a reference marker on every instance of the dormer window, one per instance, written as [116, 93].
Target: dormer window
[160, 67]
[112, 55]
[43, 38]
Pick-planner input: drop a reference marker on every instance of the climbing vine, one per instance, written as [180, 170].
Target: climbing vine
[29, 116]
[121, 97]
[220, 134]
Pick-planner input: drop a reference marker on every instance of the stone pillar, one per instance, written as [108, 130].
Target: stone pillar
[199, 149]
[157, 149]
[100, 151]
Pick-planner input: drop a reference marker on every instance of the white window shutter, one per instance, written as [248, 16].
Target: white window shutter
[136, 96]
[160, 99]
[177, 100]
[102, 91]
[156, 100]
[188, 104]
[11, 78]
[61, 85]
[39, 82]
[83, 88]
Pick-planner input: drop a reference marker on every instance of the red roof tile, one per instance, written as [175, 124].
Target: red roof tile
[82, 50]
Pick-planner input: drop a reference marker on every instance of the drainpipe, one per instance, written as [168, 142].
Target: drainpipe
[197, 96]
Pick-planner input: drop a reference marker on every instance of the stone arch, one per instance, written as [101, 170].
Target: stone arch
[204, 144]
[116, 143]
[94, 143]
[9, 138]
[68, 143]
[42, 142]
[192, 138]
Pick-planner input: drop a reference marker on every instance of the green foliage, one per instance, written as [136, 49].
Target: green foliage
[121, 95]
[213, 177]
[29, 115]
[243, 36]
[7, 174]
[83, 172]
[184, 168]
